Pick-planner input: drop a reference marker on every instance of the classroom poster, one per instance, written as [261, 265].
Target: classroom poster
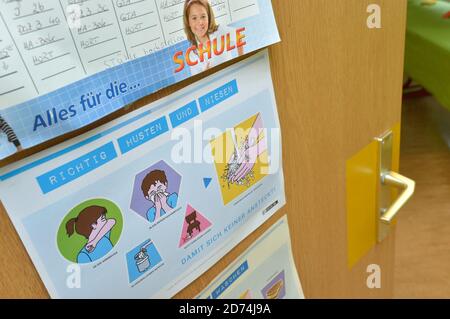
[67, 63]
[142, 206]
[266, 270]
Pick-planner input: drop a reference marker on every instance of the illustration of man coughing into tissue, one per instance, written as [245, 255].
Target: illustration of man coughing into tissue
[154, 187]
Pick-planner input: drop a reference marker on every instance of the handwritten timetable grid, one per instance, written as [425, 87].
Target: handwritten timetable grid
[47, 44]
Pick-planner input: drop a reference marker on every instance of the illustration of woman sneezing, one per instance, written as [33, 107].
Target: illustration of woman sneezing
[202, 30]
[92, 224]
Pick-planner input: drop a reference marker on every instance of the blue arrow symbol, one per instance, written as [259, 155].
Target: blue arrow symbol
[207, 181]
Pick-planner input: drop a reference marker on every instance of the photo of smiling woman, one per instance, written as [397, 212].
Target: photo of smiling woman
[201, 30]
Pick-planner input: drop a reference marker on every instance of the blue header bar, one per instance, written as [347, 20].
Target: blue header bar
[219, 95]
[184, 114]
[229, 281]
[76, 168]
[142, 135]
[64, 151]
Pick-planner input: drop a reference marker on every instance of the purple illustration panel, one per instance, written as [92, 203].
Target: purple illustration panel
[276, 288]
[159, 181]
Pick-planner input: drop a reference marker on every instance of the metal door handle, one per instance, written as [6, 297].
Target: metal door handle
[388, 179]
[407, 185]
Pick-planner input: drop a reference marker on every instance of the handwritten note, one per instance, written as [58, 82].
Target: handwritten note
[47, 44]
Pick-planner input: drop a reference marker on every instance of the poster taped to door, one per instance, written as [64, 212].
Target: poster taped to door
[67, 63]
[266, 270]
[143, 205]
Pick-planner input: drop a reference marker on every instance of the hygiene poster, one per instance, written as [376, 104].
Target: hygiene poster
[67, 63]
[142, 206]
[266, 270]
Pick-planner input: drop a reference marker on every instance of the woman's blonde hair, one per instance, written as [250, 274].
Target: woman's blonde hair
[212, 26]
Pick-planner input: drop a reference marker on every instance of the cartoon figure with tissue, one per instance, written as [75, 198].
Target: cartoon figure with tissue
[154, 187]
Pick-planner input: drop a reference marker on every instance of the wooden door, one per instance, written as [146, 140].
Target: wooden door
[343, 90]
[338, 85]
